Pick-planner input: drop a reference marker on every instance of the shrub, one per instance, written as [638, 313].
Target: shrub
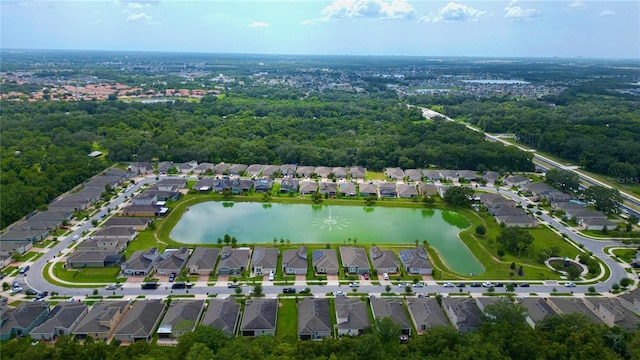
[500, 252]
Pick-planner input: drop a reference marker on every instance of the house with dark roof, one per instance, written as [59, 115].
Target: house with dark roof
[394, 173]
[295, 262]
[254, 170]
[205, 185]
[384, 261]
[491, 200]
[203, 261]
[119, 173]
[141, 168]
[563, 305]
[407, 191]
[288, 169]
[448, 175]
[271, 170]
[392, 309]
[490, 176]
[348, 188]
[203, 168]
[24, 235]
[8, 248]
[516, 181]
[165, 166]
[94, 258]
[366, 190]
[413, 174]
[520, 221]
[308, 187]
[322, 171]
[103, 245]
[187, 167]
[466, 175]
[631, 300]
[339, 172]
[305, 171]
[22, 319]
[262, 185]
[328, 188]
[233, 261]
[597, 223]
[260, 317]
[172, 261]
[357, 172]
[352, 316]
[416, 261]
[537, 310]
[426, 313]
[60, 321]
[431, 175]
[485, 301]
[289, 186]
[264, 260]
[427, 189]
[388, 190]
[221, 168]
[243, 186]
[70, 204]
[613, 313]
[354, 260]
[140, 263]
[102, 320]
[314, 319]
[463, 313]
[325, 261]
[137, 223]
[143, 210]
[140, 321]
[116, 232]
[182, 316]
[238, 169]
[223, 314]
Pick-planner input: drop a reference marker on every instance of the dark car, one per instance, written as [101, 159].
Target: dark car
[513, 284]
[149, 286]
[461, 285]
[172, 277]
[288, 291]
[524, 284]
[179, 285]
[498, 284]
[232, 285]
[475, 285]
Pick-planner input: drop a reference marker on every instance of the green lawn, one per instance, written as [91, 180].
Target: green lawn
[287, 319]
[29, 256]
[627, 255]
[373, 175]
[43, 244]
[105, 275]
[144, 241]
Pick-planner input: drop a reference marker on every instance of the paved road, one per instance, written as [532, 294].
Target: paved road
[36, 281]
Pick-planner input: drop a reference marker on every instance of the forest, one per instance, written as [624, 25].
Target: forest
[504, 334]
[44, 145]
[589, 125]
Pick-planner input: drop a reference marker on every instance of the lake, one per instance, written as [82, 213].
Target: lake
[254, 223]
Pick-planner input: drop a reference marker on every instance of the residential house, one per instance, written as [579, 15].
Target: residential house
[172, 261]
[558, 196]
[264, 260]
[141, 168]
[597, 224]
[72, 204]
[314, 319]
[187, 167]
[431, 175]
[243, 186]
[517, 181]
[537, 310]
[143, 210]
[171, 184]
[22, 319]
[325, 261]
[205, 184]
[339, 172]
[490, 176]
[58, 217]
[288, 170]
[8, 248]
[485, 301]
[322, 171]
[233, 261]
[463, 313]
[305, 171]
[631, 300]
[116, 245]
[221, 168]
[24, 235]
[140, 263]
[102, 320]
[492, 200]
[137, 223]
[352, 316]
[181, 317]
[387, 190]
[165, 167]
[384, 261]
[101, 183]
[254, 170]
[203, 168]
[238, 169]
[520, 221]
[222, 314]
[145, 198]
[613, 313]
[94, 258]
[416, 261]
[448, 175]
[308, 187]
[348, 188]
[60, 321]
[538, 188]
[354, 260]
[427, 189]
[394, 173]
[116, 232]
[328, 188]
[406, 191]
[568, 207]
[222, 185]
[426, 313]
[263, 185]
[260, 317]
[368, 189]
[203, 261]
[466, 175]
[271, 170]
[562, 305]
[357, 172]
[392, 309]
[124, 175]
[140, 321]
[413, 174]
[289, 186]
[295, 262]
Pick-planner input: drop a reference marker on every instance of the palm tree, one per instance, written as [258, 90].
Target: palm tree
[355, 240]
[349, 240]
[417, 242]
[275, 241]
[288, 242]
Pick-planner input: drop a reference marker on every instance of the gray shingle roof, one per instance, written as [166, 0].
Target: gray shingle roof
[99, 316]
[295, 258]
[182, 315]
[313, 316]
[390, 308]
[426, 311]
[260, 314]
[141, 318]
[203, 258]
[265, 257]
[351, 313]
[354, 257]
[222, 314]
[63, 316]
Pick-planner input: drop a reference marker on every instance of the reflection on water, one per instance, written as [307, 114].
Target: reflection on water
[228, 204]
[368, 209]
[427, 213]
[455, 219]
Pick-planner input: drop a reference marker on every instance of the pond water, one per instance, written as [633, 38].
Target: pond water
[253, 223]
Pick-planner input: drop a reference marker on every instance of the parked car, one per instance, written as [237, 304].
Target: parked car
[338, 293]
[365, 276]
[570, 284]
[289, 291]
[112, 287]
[179, 285]
[498, 284]
[354, 285]
[461, 285]
[475, 284]
[24, 269]
[232, 285]
[385, 276]
[448, 285]
[149, 286]
[487, 284]
[524, 284]
[418, 285]
[172, 277]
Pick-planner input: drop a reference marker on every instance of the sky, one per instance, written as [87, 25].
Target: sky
[508, 28]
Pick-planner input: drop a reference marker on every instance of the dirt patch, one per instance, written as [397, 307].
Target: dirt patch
[203, 277]
[301, 277]
[135, 279]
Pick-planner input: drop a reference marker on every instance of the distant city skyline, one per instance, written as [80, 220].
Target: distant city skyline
[575, 28]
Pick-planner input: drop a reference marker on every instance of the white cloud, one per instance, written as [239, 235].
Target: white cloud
[607, 13]
[258, 24]
[578, 4]
[308, 22]
[380, 9]
[455, 12]
[137, 4]
[514, 12]
[138, 16]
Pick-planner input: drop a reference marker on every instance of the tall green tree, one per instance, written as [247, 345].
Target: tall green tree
[605, 199]
[515, 239]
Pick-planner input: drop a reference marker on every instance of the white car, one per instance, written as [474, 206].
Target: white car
[487, 284]
[417, 285]
[570, 284]
[353, 285]
[338, 293]
[75, 237]
[448, 285]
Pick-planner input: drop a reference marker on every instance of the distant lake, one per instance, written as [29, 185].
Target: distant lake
[254, 223]
[497, 82]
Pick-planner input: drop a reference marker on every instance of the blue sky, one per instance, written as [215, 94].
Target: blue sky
[604, 29]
